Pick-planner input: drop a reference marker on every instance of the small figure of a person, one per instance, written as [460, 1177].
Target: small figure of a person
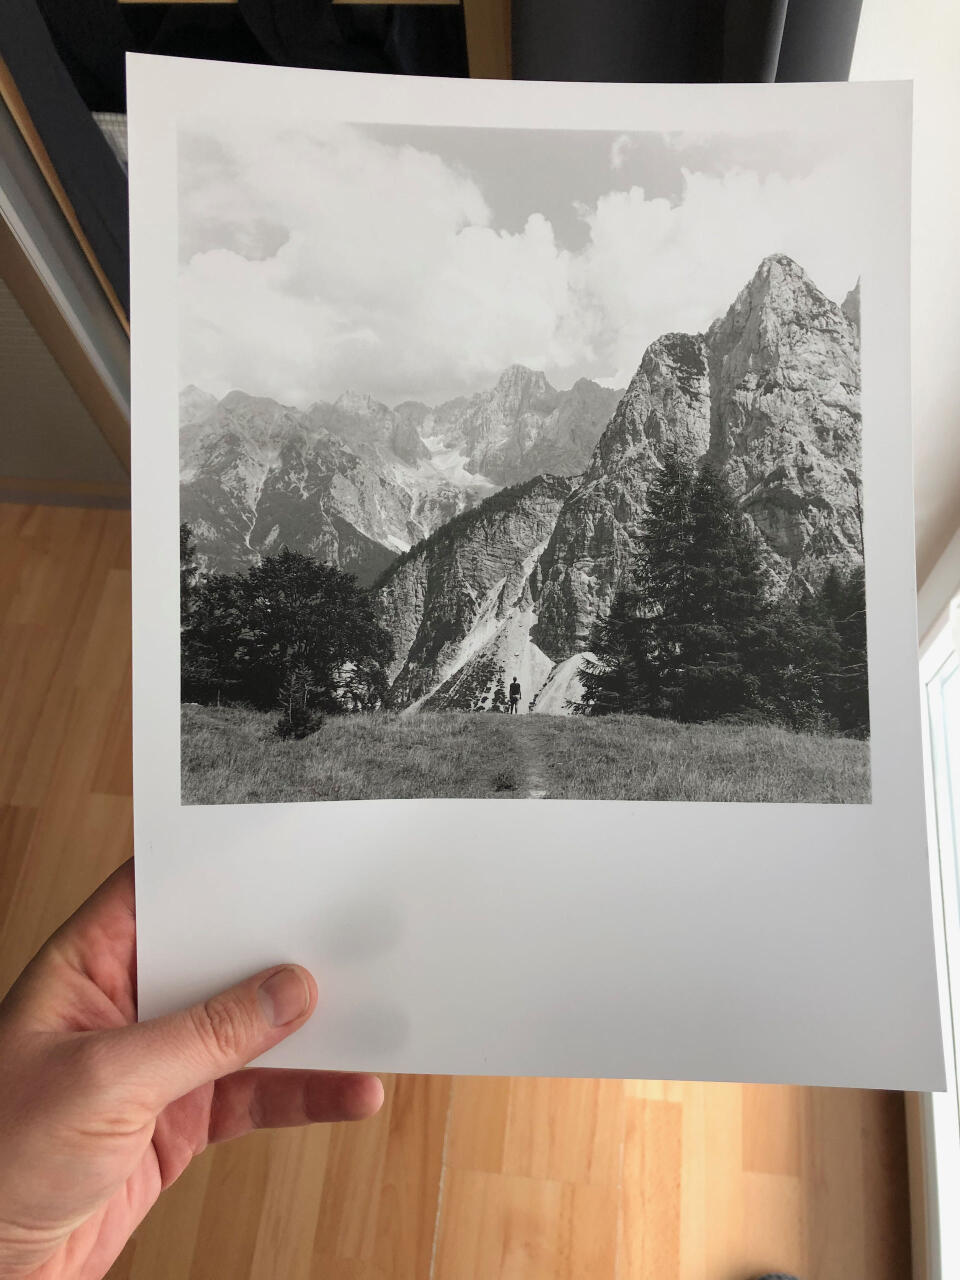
[514, 695]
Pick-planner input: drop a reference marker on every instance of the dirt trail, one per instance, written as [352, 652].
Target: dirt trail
[535, 780]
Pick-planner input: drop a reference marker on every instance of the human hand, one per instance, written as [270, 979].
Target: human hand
[99, 1113]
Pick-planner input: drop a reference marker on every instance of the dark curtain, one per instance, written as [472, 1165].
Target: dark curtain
[67, 58]
[92, 37]
[66, 55]
[683, 40]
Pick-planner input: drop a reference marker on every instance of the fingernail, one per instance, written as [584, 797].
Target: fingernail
[283, 997]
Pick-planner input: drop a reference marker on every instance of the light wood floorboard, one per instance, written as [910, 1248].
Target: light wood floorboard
[469, 1179]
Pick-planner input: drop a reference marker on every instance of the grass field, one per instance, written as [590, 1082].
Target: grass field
[230, 756]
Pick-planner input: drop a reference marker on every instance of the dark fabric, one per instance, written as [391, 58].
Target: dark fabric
[67, 54]
[684, 40]
[88, 170]
[93, 36]
[423, 40]
[752, 35]
[818, 39]
[618, 40]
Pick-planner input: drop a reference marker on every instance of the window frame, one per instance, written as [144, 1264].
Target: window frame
[934, 1118]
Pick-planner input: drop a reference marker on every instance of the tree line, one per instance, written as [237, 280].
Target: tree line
[290, 634]
[694, 632]
[695, 635]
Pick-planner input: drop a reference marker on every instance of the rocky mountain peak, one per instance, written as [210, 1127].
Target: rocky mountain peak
[359, 404]
[779, 293]
[520, 388]
[243, 401]
[771, 395]
[779, 266]
[412, 410]
[195, 404]
[851, 308]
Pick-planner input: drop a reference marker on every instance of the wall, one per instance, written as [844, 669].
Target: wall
[920, 40]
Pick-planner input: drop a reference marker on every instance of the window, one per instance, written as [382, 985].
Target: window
[937, 1144]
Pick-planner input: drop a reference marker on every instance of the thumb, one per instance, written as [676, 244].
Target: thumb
[169, 1056]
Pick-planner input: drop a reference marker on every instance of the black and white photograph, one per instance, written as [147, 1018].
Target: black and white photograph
[519, 464]
[509, 441]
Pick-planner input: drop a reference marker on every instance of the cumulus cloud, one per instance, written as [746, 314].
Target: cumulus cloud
[651, 267]
[317, 261]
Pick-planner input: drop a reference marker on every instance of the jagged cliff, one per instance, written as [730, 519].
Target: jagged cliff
[460, 605]
[256, 476]
[771, 394]
[354, 482]
[524, 427]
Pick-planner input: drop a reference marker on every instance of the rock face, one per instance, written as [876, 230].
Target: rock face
[524, 427]
[255, 476]
[770, 394]
[460, 605]
[355, 482]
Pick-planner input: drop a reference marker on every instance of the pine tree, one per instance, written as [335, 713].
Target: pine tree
[298, 715]
[663, 576]
[677, 641]
[189, 572]
[638, 646]
[727, 604]
[618, 677]
[836, 654]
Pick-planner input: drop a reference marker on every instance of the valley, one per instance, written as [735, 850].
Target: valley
[496, 528]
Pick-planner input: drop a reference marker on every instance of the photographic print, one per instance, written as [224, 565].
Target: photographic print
[538, 443]
[520, 464]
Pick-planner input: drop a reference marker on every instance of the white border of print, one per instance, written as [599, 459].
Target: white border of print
[665, 940]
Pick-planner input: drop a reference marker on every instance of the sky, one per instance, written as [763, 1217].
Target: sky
[416, 263]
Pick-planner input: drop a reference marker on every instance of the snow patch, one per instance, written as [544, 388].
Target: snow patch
[450, 464]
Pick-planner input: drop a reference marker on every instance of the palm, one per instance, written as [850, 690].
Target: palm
[102, 1159]
[93, 986]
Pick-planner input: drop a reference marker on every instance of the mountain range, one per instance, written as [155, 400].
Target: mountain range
[354, 482]
[770, 394]
[497, 526]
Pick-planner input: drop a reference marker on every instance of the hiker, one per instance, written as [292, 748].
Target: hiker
[514, 695]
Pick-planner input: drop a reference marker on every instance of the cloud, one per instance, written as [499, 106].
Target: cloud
[651, 266]
[619, 148]
[316, 262]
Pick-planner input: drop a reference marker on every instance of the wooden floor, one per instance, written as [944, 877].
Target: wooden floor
[470, 1179]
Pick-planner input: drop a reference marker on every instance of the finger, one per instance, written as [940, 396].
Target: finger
[275, 1099]
[165, 1058]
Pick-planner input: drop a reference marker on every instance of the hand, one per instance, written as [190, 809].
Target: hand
[99, 1113]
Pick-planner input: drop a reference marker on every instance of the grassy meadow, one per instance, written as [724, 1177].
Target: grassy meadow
[231, 756]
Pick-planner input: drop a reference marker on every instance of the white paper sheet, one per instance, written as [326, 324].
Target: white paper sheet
[753, 942]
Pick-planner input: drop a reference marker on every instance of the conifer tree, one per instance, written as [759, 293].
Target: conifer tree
[189, 571]
[620, 676]
[727, 589]
[639, 645]
[692, 636]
